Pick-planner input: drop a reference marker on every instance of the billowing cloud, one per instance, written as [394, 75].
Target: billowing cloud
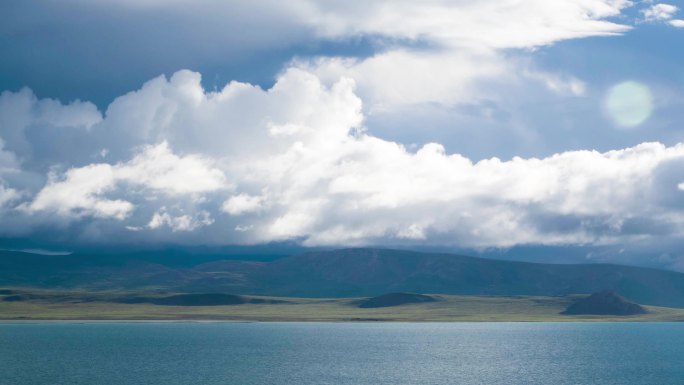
[79, 194]
[245, 165]
[156, 170]
[374, 191]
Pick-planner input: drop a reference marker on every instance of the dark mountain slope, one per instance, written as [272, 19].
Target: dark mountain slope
[349, 273]
[368, 272]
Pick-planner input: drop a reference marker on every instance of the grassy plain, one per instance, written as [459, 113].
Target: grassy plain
[81, 305]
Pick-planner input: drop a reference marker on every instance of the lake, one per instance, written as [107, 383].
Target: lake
[95, 353]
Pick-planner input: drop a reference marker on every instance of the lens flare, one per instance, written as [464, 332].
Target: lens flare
[629, 103]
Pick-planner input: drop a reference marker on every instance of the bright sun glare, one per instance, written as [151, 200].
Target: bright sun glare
[629, 103]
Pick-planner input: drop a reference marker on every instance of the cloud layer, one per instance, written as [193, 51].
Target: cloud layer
[298, 161]
[245, 165]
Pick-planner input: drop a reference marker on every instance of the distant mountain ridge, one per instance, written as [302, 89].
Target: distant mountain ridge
[349, 273]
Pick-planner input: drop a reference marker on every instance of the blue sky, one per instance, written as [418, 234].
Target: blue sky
[484, 125]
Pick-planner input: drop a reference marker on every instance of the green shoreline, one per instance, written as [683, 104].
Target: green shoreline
[98, 306]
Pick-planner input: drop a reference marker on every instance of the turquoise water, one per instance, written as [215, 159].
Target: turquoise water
[341, 353]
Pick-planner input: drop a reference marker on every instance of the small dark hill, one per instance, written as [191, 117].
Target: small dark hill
[6, 292]
[395, 299]
[606, 302]
[209, 299]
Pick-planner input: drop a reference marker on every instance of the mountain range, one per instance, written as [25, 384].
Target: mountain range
[342, 273]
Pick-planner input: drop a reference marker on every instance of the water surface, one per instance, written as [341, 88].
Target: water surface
[341, 353]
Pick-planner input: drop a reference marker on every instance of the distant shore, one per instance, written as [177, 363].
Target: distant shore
[80, 306]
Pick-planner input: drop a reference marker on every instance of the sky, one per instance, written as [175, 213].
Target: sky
[483, 125]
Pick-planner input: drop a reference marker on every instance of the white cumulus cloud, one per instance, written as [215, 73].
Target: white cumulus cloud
[83, 190]
[80, 193]
[209, 167]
